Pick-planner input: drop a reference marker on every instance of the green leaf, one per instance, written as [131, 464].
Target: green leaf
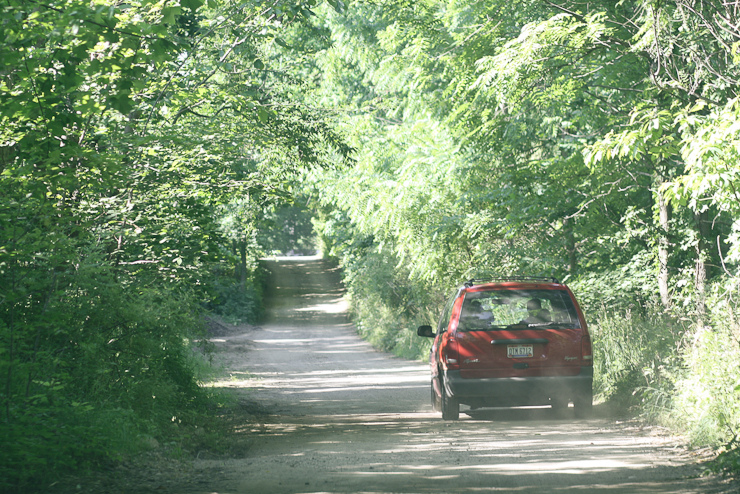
[337, 5]
[192, 4]
[122, 103]
[169, 14]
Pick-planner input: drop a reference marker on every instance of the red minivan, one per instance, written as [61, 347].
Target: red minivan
[511, 342]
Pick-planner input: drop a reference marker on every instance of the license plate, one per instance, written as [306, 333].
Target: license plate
[519, 351]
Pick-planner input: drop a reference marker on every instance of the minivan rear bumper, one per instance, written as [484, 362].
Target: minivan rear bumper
[518, 391]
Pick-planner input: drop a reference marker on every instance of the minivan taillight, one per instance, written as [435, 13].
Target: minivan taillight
[586, 350]
[450, 355]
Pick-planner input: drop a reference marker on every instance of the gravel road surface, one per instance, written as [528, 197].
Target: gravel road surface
[326, 413]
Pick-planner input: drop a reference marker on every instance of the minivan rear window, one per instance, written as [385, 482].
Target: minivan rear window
[517, 309]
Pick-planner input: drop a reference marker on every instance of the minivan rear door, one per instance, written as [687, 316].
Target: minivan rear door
[518, 331]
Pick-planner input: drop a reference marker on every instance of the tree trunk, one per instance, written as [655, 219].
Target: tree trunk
[243, 264]
[6, 153]
[570, 246]
[237, 266]
[700, 276]
[664, 215]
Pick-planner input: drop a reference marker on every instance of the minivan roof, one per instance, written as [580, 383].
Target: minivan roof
[511, 279]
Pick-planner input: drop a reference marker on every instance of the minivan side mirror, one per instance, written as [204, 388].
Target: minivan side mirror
[426, 331]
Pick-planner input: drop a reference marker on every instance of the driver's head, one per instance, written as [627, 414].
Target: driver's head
[534, 305]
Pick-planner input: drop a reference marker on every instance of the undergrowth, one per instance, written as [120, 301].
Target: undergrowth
[676, 372]
[236, 302]
[387, 307]
[106, 374]
[634, 353]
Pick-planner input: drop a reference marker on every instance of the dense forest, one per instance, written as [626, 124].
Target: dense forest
[152, 151]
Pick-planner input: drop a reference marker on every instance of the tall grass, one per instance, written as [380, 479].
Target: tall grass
[675, 372]
[706, 403]
[635, 354]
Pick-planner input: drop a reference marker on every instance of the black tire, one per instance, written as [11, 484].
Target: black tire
[436, 401]
[584, 404]
[450, 406]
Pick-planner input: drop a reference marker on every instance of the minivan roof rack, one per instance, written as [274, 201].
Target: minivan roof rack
[479, 281]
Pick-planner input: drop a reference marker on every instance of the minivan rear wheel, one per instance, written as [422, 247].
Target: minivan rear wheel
[450, 406]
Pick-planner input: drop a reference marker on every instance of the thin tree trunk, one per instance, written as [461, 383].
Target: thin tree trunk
[664, 214]
[243, 265]
[700, 276]
[570, 246]
[237, 266]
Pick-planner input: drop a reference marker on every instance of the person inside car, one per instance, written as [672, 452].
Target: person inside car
[475, 317]
[535, 313]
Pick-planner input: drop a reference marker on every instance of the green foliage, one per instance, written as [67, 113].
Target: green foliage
[140, 144]
[91, 372]
[387, 309]
[237, 303]
[711, 176]
[728, 460]
[72, 437]
[387, 306]
[618, 291]
[287, 229]
[707, 403]
[634, 354]
[148, 152]
[677, 374]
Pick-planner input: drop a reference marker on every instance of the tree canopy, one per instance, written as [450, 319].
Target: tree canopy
[128, 133]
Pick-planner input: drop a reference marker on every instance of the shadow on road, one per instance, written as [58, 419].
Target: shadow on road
[525, 414]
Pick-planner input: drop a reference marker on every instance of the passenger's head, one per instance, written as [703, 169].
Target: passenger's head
[534, 304]
[474, 308]
[544, 315]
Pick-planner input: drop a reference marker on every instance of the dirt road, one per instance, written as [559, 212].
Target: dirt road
[328, 414]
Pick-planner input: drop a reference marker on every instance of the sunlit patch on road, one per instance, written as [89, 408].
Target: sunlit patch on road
[337, 306]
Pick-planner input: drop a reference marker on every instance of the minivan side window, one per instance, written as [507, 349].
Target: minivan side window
[444, 320]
